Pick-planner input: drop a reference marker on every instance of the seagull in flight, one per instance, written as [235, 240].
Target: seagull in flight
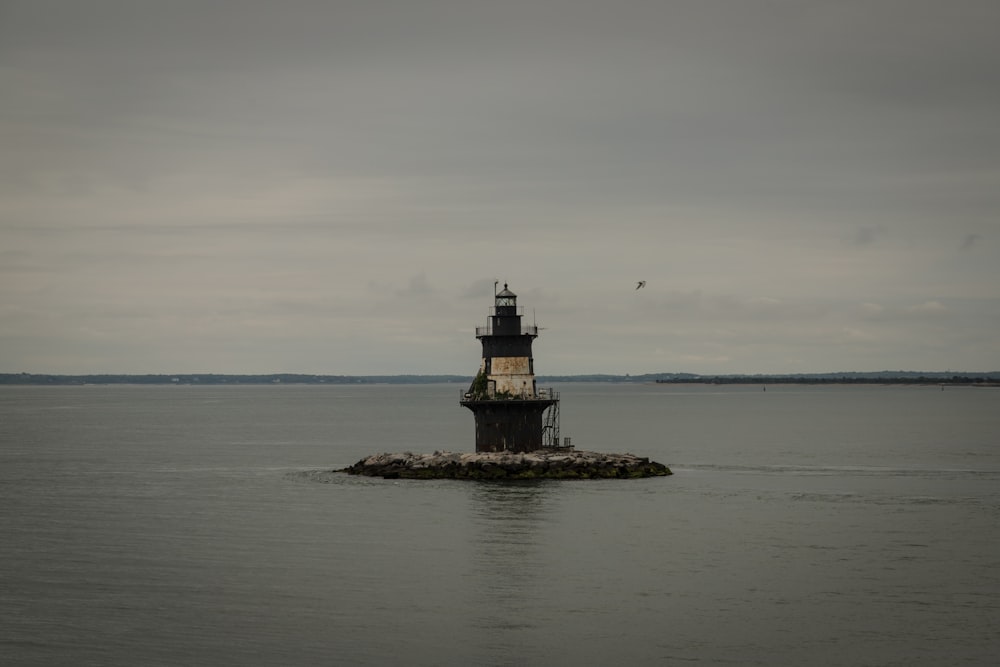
[640, 284]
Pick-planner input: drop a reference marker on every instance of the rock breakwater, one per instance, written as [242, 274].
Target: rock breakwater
[542, 464]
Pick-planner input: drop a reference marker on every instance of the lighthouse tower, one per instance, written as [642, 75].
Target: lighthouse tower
[511, 413]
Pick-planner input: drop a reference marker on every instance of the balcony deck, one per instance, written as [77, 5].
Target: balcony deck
[526, 330]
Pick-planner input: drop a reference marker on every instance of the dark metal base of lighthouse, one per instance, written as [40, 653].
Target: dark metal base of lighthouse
[514, 425]
[512, 415]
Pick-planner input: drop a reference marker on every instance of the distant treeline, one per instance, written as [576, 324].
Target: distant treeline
[875, 377]
[993, 379]
[880, 377]
[214, 379]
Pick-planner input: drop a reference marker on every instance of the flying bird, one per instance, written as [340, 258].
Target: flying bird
[640, 284]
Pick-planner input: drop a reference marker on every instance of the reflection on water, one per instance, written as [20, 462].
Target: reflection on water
[509, 519]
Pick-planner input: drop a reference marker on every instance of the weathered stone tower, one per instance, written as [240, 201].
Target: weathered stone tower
[511, 413]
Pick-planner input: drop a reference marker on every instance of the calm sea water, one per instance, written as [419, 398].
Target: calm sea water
[200, 525]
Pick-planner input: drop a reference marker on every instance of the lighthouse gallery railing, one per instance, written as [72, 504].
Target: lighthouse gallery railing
[547, 394]
[526, 330]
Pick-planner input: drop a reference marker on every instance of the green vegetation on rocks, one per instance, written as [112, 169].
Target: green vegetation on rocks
[479, 387]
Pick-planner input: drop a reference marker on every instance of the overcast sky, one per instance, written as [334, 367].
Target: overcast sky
[334, 186]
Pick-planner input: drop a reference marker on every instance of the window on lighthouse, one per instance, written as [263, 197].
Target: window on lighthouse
[505, 301]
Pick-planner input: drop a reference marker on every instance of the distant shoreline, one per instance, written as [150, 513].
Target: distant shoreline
[881, 377]
[956, 381]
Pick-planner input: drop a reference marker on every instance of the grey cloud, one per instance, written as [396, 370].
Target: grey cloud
[351, 167]
[417, 286]
[864, 236]
[970, 241]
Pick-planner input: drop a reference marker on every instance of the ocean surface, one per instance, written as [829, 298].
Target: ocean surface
[186, 525]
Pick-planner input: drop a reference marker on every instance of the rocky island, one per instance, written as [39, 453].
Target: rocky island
[541, 464]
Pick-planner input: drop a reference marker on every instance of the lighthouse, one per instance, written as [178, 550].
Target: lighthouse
[512, 414]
